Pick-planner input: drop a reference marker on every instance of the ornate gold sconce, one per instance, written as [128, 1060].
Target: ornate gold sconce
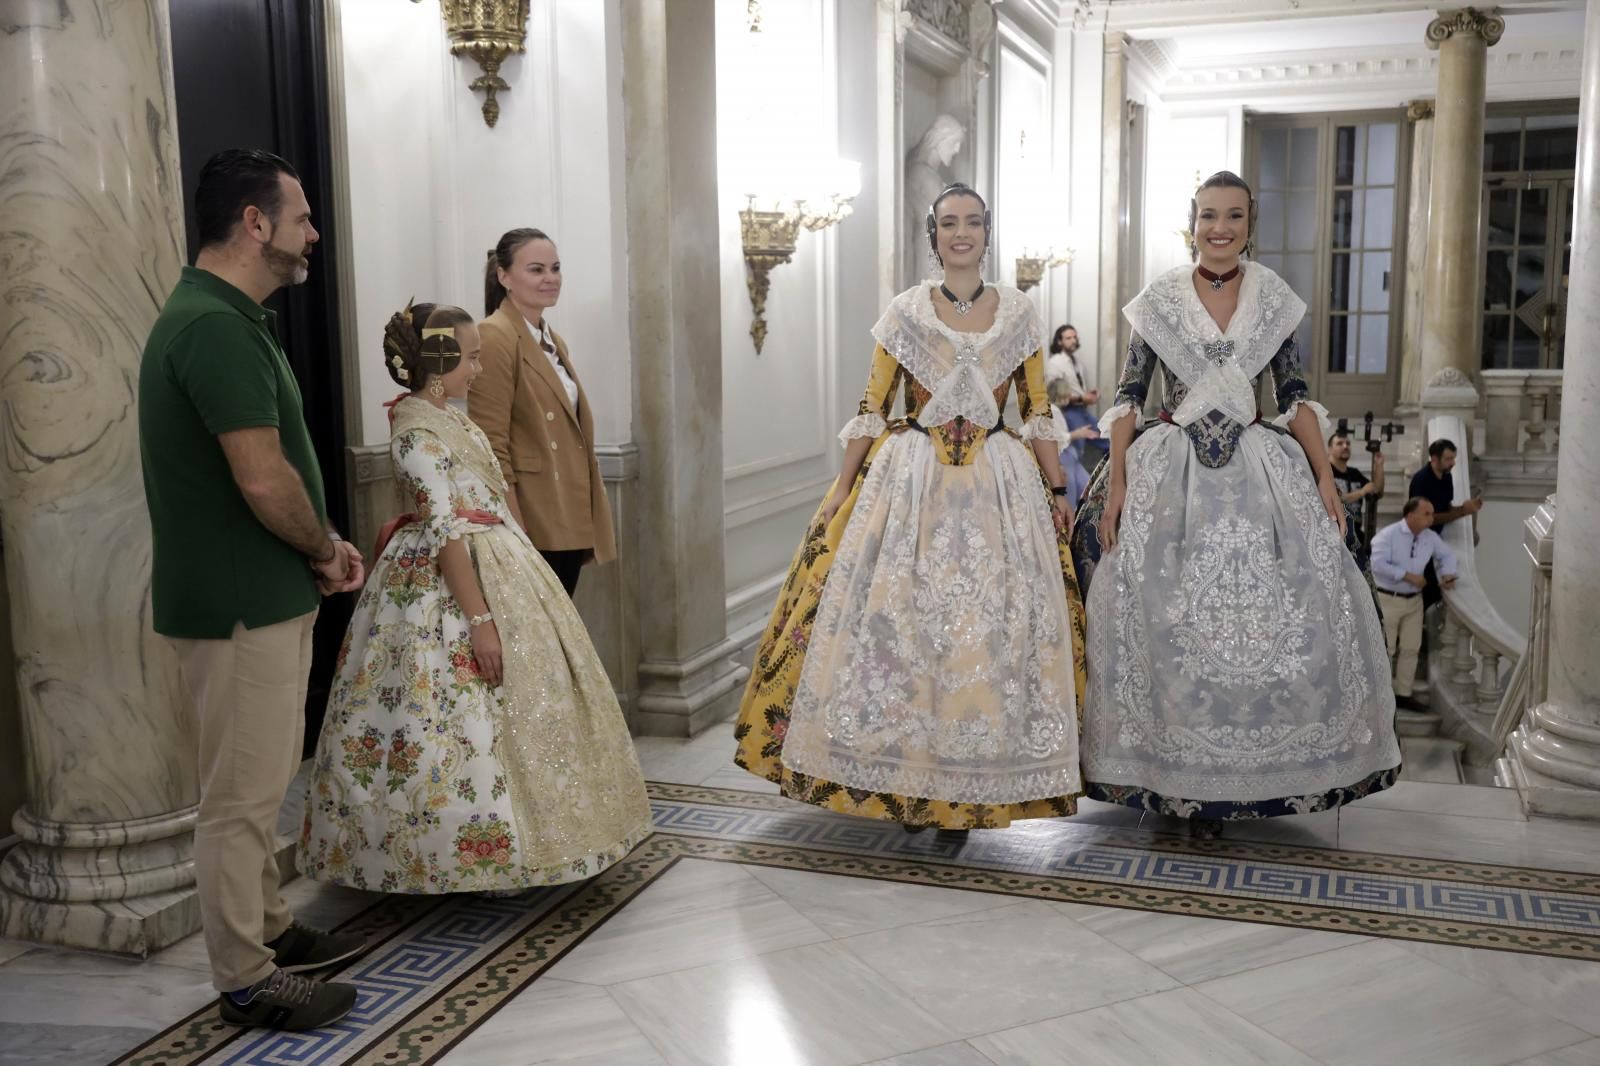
[488, 31]
[769, 241]
[1032, 265]
[769, 238]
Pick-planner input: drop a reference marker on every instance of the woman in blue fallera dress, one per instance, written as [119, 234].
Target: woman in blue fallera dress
[1236, 664]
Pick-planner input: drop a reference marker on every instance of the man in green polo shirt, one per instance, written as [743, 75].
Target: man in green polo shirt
[242, 557]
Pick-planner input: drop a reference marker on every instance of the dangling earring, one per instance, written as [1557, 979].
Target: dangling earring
[436, 387]
[983, 262]
[1194, 249]
[935, 264]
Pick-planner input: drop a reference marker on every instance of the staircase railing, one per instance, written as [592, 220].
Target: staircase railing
[1477, 674]
[1532, 688]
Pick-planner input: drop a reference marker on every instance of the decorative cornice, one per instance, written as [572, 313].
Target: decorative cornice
[1465, 21]
[1542, 68]
[1419, 111]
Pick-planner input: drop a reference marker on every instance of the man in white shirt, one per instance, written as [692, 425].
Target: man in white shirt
[1400, 552]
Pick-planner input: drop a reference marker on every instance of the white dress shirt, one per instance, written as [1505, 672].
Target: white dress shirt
[1061, 367]
[1396, 552]
[548, 346]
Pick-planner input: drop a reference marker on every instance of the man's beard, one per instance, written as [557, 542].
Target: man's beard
[287, 267]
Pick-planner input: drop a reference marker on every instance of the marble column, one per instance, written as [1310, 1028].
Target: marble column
[1556, 755]
[90, 244]
[1450, 268]
[1113, 130]
[687, 677]
[1420, 114]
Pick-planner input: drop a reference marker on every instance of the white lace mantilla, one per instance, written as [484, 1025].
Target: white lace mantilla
[1219, 366]
[961, 370]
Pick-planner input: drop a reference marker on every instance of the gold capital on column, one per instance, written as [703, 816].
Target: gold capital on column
[1466, 20]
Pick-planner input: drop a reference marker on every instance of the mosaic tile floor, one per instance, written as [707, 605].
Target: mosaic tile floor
[750, 929]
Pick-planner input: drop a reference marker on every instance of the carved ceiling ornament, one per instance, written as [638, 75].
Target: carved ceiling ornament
[1419, 111]
[1466, 20]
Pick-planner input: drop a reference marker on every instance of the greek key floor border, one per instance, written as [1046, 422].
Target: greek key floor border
[442, 967]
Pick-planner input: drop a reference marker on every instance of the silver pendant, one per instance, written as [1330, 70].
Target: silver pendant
[962, 306]
[1216, 283]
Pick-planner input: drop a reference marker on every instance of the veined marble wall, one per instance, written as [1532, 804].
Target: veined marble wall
[90, 246]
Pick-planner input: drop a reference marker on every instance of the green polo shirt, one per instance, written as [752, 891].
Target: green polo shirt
[213, 365]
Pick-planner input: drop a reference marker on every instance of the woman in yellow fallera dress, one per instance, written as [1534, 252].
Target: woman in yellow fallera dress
[924, 662]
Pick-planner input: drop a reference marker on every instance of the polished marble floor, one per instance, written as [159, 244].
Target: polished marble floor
[709, 959]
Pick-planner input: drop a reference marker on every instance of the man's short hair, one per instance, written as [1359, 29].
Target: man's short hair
[1413, 503]
[1439, 447]
[1336, 434]
[232, 180]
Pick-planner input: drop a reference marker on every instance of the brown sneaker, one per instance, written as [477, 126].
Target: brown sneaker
[291, 1003]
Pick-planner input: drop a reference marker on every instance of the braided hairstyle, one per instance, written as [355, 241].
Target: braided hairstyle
[412, 359]
[1222, 179]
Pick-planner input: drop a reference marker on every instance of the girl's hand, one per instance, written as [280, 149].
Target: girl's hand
[835, 500]
[487, 653]
[1061, 512]
[1111, 517]
[1331, 502]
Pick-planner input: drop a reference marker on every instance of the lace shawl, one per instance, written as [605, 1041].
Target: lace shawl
[1219, 367]
[961, 370]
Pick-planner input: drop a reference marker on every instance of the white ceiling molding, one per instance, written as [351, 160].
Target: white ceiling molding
[1354, 77]
[1152, 16]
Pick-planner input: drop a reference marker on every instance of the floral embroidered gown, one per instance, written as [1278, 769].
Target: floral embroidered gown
[923, 663]
[427, 779]
[1236, 664]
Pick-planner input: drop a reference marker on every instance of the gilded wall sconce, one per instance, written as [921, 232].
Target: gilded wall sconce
[488, 31]
[1031, 265]
[769, 227]
[769, 240]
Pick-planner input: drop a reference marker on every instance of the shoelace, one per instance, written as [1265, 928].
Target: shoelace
[290, 988]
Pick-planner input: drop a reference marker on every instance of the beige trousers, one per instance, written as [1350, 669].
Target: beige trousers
[1402, 633]
[249, 694]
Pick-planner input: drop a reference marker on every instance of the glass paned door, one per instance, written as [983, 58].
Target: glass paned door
[1528, 254]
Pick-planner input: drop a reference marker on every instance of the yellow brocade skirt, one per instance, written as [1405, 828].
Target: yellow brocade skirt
[764, 713]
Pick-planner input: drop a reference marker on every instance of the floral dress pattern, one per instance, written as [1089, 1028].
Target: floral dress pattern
[923, 663]
[426, 779]
[1236, 665]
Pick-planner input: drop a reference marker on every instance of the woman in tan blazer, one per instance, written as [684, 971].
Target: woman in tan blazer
[530, 405]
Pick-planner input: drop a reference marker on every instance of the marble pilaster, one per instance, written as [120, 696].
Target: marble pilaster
[687, 677]
[1556, 756]
[1113, 133]
[1450, 267]
[90, 244]
[1420, 115]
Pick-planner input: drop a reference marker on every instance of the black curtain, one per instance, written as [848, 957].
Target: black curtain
[254, 74]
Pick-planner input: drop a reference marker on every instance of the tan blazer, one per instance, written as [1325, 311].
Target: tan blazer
[544, 446]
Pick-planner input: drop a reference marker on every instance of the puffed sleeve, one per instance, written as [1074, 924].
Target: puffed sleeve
[1033, 404]
[423, 467]
[489, 403]
[1134, 386]
[1289, 386]
[872, 416]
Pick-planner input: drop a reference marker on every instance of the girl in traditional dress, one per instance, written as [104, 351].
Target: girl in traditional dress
[473, 741]
[923, 662]
[1236, 665]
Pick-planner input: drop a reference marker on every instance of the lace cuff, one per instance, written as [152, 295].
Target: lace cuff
[1043, 427]
[1116, 414]
[871, 425]
[1283, 420]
